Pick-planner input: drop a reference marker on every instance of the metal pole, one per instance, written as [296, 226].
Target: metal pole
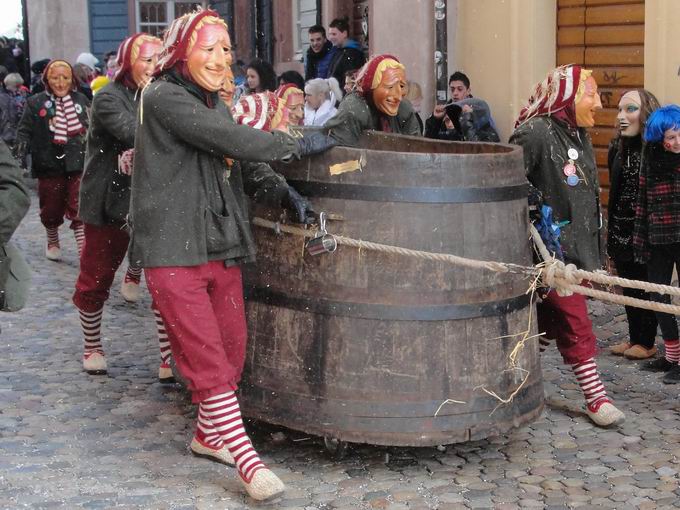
[27, 51]
[440, 47]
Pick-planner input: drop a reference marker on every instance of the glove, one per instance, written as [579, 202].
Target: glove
[299, 206]
[535, 204]
[315, 142]
[126, 161]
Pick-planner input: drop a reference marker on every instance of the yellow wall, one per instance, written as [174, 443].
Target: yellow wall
[662, 58]
[505, 47]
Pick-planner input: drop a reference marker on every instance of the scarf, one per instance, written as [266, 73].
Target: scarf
[65, 123]
[556, 96]
[661, 161]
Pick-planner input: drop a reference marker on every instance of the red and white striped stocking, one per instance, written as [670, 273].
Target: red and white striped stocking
[163, 342]
[52, 236]
[672, 348]
[205, 431]
[591, 386]
[224, 412]
[92, 325]
[79, 233]
[133, 274]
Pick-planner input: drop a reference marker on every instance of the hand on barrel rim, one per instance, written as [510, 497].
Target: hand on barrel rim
[299, 205]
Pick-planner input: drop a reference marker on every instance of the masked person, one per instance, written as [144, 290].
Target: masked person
[294, 99]
[377, 104]
[624, 159]
[226, 93]
[105, 199]
[52, 129]
[190, 228]
[560, 164]
[656, 236]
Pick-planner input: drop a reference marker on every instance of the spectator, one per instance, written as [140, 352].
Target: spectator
[349, 54]
[624, 158]
[84, 75]
[14, 85]
[350, 81]
[414, 94]
[465, 118]
[89, 60]
[111, 61]
[319, 54]
[260, 76]
[37, 68]
[656, 235]
[320, 98]
[8, 112]
[293, 78]
[6, 56]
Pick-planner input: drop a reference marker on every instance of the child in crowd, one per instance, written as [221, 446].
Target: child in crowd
[657, 224]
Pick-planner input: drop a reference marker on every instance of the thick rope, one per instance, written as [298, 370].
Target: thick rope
[565, 279]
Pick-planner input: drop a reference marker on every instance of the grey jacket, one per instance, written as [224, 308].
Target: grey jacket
[113, 121]
[546, 143]
[355, 116]
[187, 205]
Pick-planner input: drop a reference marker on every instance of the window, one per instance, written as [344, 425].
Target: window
[304, 16]
[154, 17]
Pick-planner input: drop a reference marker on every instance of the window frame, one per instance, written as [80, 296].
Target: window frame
[169, 13]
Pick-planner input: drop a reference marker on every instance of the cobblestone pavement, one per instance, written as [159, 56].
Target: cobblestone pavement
[69, 440]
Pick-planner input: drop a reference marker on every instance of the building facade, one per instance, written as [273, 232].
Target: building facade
[504, 46]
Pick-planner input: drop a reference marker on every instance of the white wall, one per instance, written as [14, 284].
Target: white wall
[58, 28]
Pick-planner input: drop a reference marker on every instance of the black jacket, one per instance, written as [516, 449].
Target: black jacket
[188, 204]
[34, 136]
[317, 65]
[347, 58]
[104, 193]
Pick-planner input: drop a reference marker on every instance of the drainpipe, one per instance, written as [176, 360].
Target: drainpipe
[440, 53]
[27, 52]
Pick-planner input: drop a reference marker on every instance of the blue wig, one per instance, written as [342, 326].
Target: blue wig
[661, 120]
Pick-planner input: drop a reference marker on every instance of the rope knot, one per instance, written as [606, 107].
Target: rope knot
[560, 276]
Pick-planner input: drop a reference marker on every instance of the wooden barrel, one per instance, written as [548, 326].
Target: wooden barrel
[386, 349]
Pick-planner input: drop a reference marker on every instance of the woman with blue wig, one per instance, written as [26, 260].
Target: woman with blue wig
[657, 224]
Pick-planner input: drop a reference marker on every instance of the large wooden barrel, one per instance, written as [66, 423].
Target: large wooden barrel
[374, 348]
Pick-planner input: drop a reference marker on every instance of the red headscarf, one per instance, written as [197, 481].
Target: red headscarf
[554, 96]
[177, 37]
[287, 90]
[367, 73]
[124, 61]
[74, 80]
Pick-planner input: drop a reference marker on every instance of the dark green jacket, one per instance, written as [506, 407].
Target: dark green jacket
[546, 142]
[187, 207]
[14, 202]
[113, 121]
[34, 137]
[355, 116]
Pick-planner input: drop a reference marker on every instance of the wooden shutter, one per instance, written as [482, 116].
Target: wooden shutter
[606, 36]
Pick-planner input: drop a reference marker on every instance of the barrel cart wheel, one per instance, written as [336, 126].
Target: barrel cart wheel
[336, 448]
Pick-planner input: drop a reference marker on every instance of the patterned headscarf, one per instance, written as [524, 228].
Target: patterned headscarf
[127, 54]
[370, 75]
[556, 95]
[264, 111]
[179, 37]
[64, 123]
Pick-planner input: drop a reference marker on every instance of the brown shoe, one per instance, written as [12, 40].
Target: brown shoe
[619, 349]
[640, 352]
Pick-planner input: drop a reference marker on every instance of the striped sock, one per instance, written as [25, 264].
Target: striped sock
[52, 236]
[79, 233]
[672, 350]
[92, 325]
[134, 274]
[206, 432]
[163, 342]
[225, 414]
[591, 386]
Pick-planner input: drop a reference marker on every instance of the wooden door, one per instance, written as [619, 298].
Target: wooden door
[606, 36]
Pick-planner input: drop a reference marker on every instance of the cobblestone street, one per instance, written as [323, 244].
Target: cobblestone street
[70, 440]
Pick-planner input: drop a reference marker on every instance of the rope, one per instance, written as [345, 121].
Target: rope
[564, 278]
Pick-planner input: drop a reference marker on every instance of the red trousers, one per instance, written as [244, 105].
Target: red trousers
[103, 252]
[202, 308]
[58, 198]
[565, 319]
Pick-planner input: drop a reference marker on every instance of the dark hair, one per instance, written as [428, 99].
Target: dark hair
[266, 73]
[341, 24]
[458, 76]
[317, 29]
[665, 118]
[292, 77]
